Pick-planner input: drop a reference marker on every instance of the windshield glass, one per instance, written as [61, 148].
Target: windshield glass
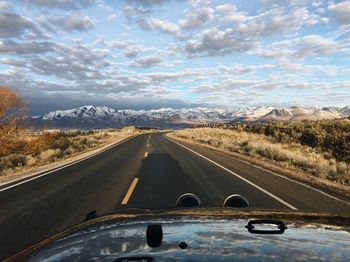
[121, 106]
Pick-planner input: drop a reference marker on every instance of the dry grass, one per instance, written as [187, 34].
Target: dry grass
[292, 156]
[38, 150]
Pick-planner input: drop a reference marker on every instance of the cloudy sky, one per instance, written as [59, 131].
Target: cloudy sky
[167, 53]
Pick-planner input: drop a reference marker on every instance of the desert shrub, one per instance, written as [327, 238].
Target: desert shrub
[264, 149]
[31, 161]
[50, 155]
[12, 161]
[84, 141]
[77, 146]
[310, 138]
[72, 134]
[343, 168]
[48, 141]
[340, 147]
[61, 142]
[41, 149]
[214, 142]
[99, 136]
[57, 140]
[326, 136]
[18, 147]
[292, 154]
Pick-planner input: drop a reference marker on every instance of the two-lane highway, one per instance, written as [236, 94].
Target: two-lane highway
[148, 171]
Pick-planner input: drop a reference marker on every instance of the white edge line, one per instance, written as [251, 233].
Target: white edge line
[297, 182]
[34, 176]
[291, 180]
[240, 177]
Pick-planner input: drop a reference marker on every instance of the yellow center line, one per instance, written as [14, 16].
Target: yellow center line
[130, 190]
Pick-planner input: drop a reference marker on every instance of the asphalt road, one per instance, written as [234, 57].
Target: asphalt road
[148, 171]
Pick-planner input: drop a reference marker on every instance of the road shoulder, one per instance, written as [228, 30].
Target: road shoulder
[336, 190]
[39, 170]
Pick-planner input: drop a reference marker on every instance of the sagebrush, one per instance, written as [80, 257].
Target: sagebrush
[331, 164]
[35, 150]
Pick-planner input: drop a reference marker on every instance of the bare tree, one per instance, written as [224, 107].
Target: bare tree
[12, 118]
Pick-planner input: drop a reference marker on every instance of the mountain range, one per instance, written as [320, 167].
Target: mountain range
[93, 117]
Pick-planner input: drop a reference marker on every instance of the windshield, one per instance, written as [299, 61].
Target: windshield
[121, 106]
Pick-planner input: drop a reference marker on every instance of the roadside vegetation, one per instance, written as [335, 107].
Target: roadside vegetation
[23, 149]
[317, 148]
[45, 148]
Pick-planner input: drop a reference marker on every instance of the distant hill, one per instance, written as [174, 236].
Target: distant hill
[94, 117]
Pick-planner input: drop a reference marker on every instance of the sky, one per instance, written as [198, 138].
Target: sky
[144, 54]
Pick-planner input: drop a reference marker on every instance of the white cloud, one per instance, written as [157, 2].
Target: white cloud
[61, 4]
[276, 21]
[164, 26]
[216, 42]
[310, 45]
[13, 62]
[11, 47]
[130, 48]
[224, 8]
[236, 32]
[315, 45]
[112, 17]
[148, 2]
[147, 61]
[78, 63]
[16, 26]
[118, 44]
[340, 11]
[4, 5]
[131, 11]
[73, 23]
[131, 53]
[197, 17]
[161, 77]
[274, 53]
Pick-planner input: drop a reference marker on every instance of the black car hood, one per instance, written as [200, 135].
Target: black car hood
[210, 235]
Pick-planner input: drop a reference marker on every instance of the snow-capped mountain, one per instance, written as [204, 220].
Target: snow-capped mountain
[103, 117]
[278, 114]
